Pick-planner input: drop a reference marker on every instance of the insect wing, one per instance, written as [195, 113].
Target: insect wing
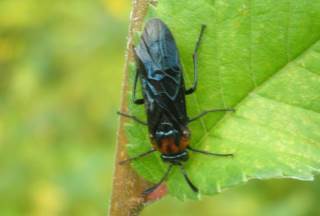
[161, 75]
[159, 55]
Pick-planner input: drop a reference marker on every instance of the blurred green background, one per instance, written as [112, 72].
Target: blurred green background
[61, 64]
[61, 68]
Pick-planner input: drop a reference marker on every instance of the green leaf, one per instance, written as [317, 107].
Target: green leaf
[261, 57]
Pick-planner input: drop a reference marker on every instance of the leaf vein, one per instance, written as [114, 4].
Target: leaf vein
[288, 104]
[291, 133]
[264, 83]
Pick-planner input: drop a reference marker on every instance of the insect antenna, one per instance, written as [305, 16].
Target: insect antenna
[209, 153]
[194, 188]
[132, 117]
[149, 190]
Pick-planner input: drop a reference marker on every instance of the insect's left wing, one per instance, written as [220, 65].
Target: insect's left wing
[162, 73]
[159, 54]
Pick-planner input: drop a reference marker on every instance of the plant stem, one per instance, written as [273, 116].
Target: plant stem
[126, 198]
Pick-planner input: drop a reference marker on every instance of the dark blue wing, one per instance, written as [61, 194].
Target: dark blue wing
[161, 75]
[159, 54]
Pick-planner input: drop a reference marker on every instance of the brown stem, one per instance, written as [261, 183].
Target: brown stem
[126, 198]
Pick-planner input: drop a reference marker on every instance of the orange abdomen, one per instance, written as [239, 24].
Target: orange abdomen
[168, 146]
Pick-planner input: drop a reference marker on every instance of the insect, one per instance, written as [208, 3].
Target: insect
[163, 90]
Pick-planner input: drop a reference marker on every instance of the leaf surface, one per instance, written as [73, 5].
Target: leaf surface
[261, 57]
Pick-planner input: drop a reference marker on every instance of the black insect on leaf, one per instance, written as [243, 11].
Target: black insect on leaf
[163, 89]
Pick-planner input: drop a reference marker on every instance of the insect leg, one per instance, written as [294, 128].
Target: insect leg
[209, 111]
[137, 157]
[149, 190]
[141, 100]
[136, 101]
[209, 153]
[133, 118]
[184, 173]
[195, 63]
